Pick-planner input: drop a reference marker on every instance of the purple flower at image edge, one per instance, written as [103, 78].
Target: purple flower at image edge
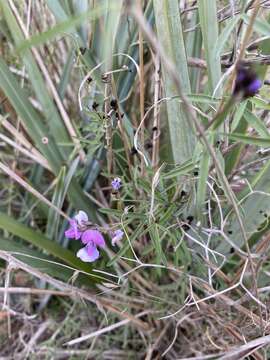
[254, 87]
[246, 82]
[92, 239]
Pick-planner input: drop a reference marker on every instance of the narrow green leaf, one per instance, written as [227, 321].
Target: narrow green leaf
[65, 26]
[178, 171]
[260, 103]
[224, 36]
[250, 140]
[209, 28]
[203, 99]
[65, 77]
[57, 9]
[37, 130]
[156, 239]
[256, 123]
[239, 126]
[111, 22]
[35, 258]
[193, 43]
[31, 119]
[55, 124]
[57, 200]
[238, 115]
[255, 209]
[169, 31]
[202, 184]
[261, 26]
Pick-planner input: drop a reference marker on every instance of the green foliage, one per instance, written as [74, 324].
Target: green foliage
[170, 35]
[181, 225]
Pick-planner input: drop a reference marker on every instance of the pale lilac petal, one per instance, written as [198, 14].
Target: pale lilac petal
[92, 252]
[81, 217]
[117, 236]
[94, 237]
[88, 254]
[73, 232]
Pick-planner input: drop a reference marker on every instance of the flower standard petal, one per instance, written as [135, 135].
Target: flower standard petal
[93, 237]
[81, 217]
[88, 253]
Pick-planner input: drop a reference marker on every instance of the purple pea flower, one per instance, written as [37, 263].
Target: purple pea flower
[92, 239]
[116, 184]
[117, 236]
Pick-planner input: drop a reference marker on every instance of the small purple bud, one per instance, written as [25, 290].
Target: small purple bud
[117, 236]
[116, 184]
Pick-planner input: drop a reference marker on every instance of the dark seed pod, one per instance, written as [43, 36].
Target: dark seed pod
[82, 50]
[95, 106]
[133, 151]
[190, 218]
[114, 104]
[185, 227]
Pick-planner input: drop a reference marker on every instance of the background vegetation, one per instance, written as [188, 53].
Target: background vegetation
[140, 90]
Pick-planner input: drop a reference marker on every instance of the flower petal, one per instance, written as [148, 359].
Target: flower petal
[93, 236]
[92, 252]
[88, 254]
[73, 232]
[70, 233]
[81, 218]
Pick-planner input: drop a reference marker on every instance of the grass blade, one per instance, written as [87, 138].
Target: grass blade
[169, 31]
[209, 28]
